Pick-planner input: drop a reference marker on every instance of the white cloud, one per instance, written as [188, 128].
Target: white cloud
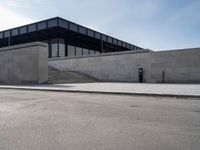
[10, 19]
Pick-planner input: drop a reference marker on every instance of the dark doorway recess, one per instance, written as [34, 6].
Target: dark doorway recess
[140, 75]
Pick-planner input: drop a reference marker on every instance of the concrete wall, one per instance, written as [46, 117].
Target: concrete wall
[24, 64]
[179, 66]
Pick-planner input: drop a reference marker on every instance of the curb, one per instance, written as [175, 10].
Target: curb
[103, 92]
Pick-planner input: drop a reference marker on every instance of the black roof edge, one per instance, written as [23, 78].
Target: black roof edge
[57, 17]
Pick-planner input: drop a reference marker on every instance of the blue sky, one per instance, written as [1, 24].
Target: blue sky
[153, 24]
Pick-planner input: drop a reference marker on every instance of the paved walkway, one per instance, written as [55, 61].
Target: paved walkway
[121, 88]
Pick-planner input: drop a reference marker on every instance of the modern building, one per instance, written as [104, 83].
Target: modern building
[28, 53]
[65, 38]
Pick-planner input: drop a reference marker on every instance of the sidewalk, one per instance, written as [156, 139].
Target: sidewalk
[175, 90]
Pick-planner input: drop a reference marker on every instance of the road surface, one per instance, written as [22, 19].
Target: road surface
[36, 120]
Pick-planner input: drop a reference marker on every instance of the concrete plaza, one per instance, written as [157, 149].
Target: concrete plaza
[45, 120]
[177, 90]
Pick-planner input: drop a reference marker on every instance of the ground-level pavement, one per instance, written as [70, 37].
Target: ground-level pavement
[45, 120]
[122, 88]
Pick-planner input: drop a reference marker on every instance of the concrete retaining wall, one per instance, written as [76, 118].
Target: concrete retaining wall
[24, 64]
[179, 66]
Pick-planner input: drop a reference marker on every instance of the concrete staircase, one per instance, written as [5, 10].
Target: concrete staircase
[65, 76]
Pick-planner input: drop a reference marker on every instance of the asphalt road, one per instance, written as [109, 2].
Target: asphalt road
[34, 120]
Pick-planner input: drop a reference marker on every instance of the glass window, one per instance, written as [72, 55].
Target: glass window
[54, 48]
[115, 41]
[22, 30]
[52, 23]
[90, 33]
[95, 52]
[82, 30]
[119, 43]
[15, 32]
[85, 52]
[104, 38]
[97, 35]
[109, 39]
[127, 45]
[32, 28]
[131, 46]
[63, 23]
[73, 27]
[78, 51]
[61, 48]
[124, 44]
[91, 52]
[41, 25]
[6, 34]
[71, 51]
[1, 35]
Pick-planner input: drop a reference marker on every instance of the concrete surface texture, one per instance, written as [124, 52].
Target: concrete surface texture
[175, 66]
[33, 120]
[56, 76]
[133, 88]
[24, 64]
[178, 90]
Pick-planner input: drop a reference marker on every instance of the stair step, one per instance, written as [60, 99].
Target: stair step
[66, 76]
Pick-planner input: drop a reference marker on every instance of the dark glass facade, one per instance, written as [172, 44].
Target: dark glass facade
[65, 38]
[58, 48]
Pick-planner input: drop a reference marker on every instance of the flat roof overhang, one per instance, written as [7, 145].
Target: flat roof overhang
[73, 34]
